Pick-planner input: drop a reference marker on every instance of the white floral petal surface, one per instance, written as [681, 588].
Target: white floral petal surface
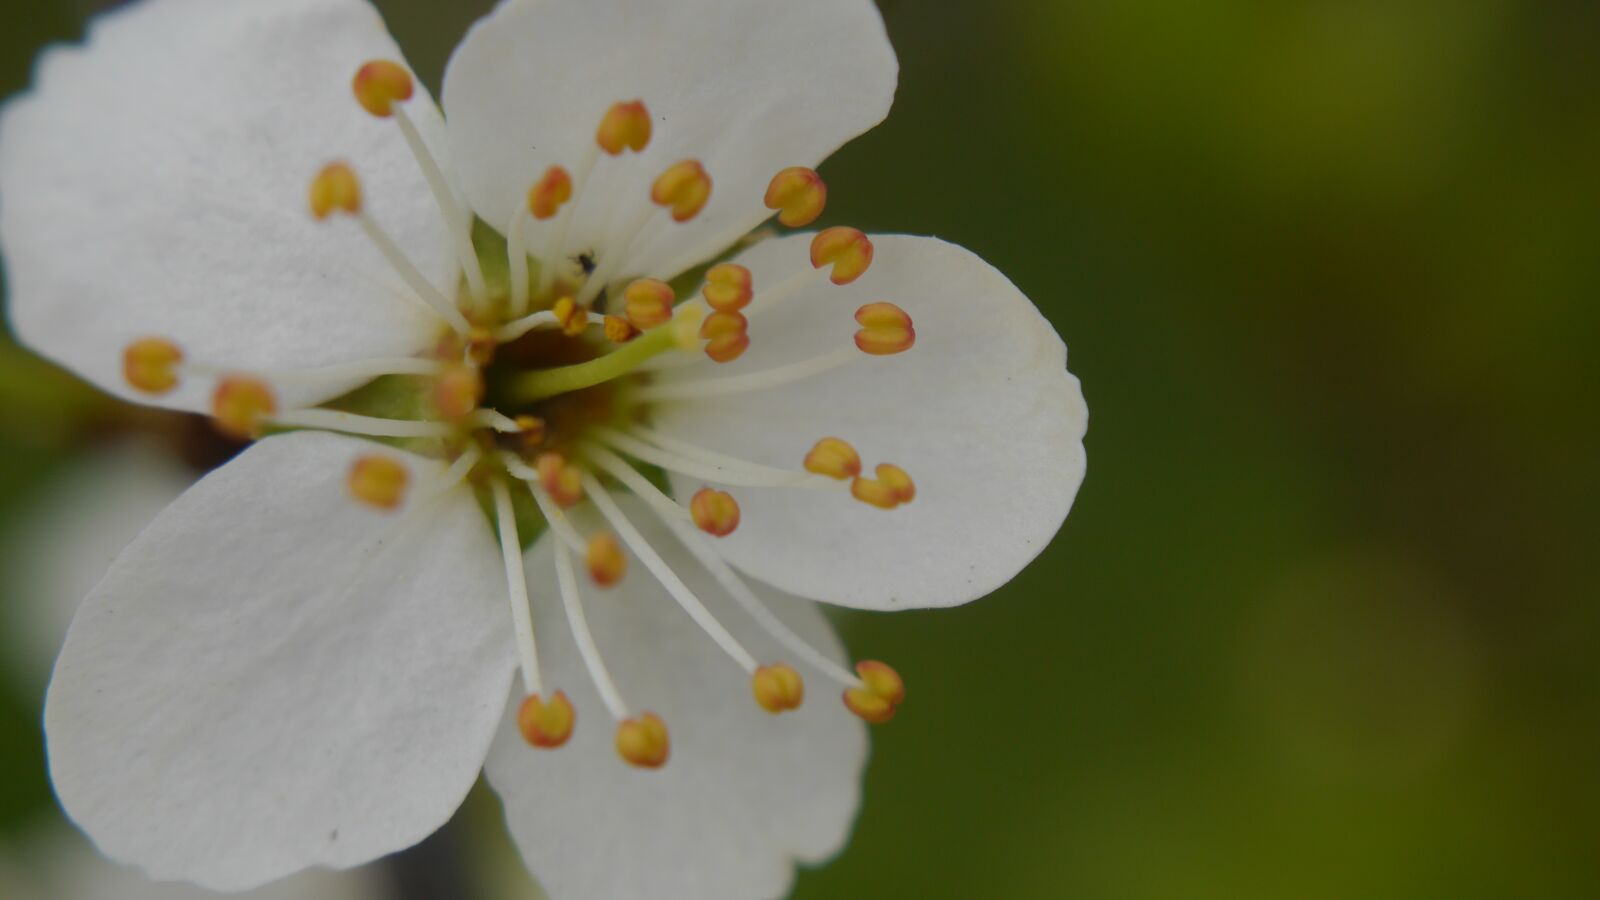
[273, 676]
[154, 183]
[748, 87]
[981, 412]
[745, 794]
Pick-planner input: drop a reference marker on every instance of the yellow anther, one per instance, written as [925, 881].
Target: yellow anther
[626, 126]
[606, 562]
[574, 319]
[335, 189]
[728, 287]
[563, 482]
[619, 330]
[546, 725]
[380, 84]
[778, 688]
[834, 458]
[481, 345]
[686, 326]
[648, 303]
[714, 511]
[151, 365]
[684, 187]
[533, 431]
[880, 695]
[242, 405]
[848, 250]
[457, 391]
[643, 741]
[885, 329]
[546, 198]
[799, 196]
[891, 488]
[727, 336]
[379, 481]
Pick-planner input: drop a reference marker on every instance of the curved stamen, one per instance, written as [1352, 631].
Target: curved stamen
[708, 456]
[444, 197]
[749, 475]
[544, 318]
[664, 574]
[516, 580]
[766, 379]
[408, 272]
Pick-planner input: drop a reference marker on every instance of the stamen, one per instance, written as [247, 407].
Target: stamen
[892, 488]
[357, 371]
[379, 481]
[885, 329]
[574, 319]
[648, 303]
[552, 192]
[559, 479]
[684, 187]
[619, 330]
[728, 287]
[664, 574]
[380, 84]
[715, 512]
[625, 126]
[745, 475]
[335, 189]
[605, 559]
[880, 694]
[799, 196]
[711, 457]
[834, 458]
[151, 365]
[848, 250]
[778, 688]
[544, 318]
[724, 385]
[521, 613]
[517, 265]
[643, 741]
[365, 426]
[546, 725]
[457, 391]
[242, 405]
[493, 419]
[727, 336]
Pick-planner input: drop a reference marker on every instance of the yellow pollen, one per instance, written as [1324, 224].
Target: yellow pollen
[546, 198]
[778, 688]
[563, 482]
[619, 330]
[242, 405]
[533, 431]
[880, 695]
[626, 126]
[684, 187]
[892, 488]
[834, 458]
[379, 481]
[151, 365]
[457, 391]
[728, 287]
[606, 562]
[643, 741]
[885, 329]
[574, 319]
[380, 84]
[335, 189]
[848, 250]
[715, 512]
[546, 725]
[648, 303]
[727, 335]
[799, 196]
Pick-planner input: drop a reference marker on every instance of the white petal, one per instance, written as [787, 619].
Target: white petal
[981, 412]
[748, 87]
[155, 184]
[273, 676]
[744, 794]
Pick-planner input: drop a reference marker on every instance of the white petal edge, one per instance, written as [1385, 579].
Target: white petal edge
[981, 412]
[748, 87]
[154, 183]
[273, 677]
[744, 796]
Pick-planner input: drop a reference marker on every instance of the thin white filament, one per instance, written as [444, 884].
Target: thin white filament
[521, 614]
[517, 261]
[766, 379]
[366, 426]
[460, 229]
[402, 265]
[721, 474]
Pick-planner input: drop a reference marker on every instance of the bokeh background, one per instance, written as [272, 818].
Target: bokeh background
[1323, 623]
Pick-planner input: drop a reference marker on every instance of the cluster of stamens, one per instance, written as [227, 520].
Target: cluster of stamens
[560, 466]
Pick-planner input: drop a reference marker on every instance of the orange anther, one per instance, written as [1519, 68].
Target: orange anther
[834, 458]
[563, 482]
[848, 250]
[457, 390]
[778, 688]
[643, 741]
[648, 303]
[798, 194]
[885, 329]
[728, 347]
[380, 84]
[379, 481]
[626, 126]
[151, 365]
[619, 330]
[533, 430]
[574, 319]
[891, 488]
[728, 287]
[335, 189]
[714, 511]
[606, 562]
[546, 725]
[880, 694]
[727, 335]
[242, 405]
[546, 198]
[685, 187]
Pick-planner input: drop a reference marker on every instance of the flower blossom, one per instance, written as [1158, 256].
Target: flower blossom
[537, 412]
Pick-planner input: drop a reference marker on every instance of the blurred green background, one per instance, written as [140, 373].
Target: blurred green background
[1323, 623]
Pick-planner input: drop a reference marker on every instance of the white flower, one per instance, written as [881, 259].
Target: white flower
[305, 660]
